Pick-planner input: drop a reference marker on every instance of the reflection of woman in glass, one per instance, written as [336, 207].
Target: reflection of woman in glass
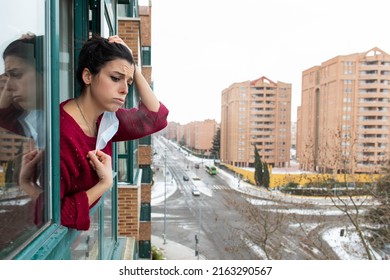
[21, 114]
[106, 68]
[21, 99]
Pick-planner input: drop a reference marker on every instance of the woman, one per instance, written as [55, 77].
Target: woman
[22, 141]
[106, 68]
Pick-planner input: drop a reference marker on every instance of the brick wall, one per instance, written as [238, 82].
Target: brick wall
[128, 211]
[146, 192]
[144, 155]
[129, 32]
[145, 230]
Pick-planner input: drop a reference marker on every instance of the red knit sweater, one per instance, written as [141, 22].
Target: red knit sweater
[77, 175]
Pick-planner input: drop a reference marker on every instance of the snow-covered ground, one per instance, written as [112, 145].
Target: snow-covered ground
[347, 247]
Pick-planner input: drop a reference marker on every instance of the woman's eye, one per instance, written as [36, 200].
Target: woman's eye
[115, 79]
[16, 75]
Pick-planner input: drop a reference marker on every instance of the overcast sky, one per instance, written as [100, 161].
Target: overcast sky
[201, 47]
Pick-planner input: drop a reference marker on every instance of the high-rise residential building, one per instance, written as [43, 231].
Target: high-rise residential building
[343, 120]
[257, 113]
[204, 132]
[293, 135]
[171, 131]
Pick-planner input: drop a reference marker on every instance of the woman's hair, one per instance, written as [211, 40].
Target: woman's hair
[96, 52]
[29, 49]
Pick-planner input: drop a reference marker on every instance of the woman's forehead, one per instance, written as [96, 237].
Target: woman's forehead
[13, 62]
[121, 66]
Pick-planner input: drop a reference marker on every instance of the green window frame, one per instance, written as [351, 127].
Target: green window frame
[146, 55]
[146, 210]
[56, 241]
[128, 154]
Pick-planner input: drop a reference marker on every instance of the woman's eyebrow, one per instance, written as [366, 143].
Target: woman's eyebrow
[119, 73]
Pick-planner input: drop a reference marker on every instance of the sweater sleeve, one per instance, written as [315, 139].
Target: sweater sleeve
[74, 206]
[139, 122]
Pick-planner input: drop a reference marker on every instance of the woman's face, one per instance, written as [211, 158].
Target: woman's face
[21, 83]
[110, 86]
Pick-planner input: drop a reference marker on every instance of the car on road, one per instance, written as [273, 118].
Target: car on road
[186, 178]
[195, 192]
[197, 165]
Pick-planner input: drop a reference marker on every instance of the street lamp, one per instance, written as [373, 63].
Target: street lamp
[165, 196]
[197, 236]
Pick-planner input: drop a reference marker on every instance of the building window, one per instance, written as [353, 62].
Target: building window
[146, 56]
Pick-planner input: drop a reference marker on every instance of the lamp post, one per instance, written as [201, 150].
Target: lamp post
[165, 197]
[197, 236]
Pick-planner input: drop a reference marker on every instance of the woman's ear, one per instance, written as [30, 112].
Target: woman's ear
[87, 76]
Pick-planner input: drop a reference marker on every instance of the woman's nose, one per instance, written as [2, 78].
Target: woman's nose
[124, 88]
[11, 84]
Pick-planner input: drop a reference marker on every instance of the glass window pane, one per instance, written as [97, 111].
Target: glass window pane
[108, 230]
[66, 50]
[122, 170]
[23, 208]
[86, 246]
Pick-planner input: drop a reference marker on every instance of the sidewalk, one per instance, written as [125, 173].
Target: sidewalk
[174, 251]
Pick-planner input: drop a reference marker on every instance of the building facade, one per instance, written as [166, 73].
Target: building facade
[257, 113]
[134, 199]
[343, 120]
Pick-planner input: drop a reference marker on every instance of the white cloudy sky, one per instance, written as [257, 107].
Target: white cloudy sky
[201, 47]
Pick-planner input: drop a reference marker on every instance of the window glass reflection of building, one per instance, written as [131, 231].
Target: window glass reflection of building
[22, 132]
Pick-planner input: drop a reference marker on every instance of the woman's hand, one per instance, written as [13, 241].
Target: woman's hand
[118, 40]
[28, 175]
[5, 95]
[29, 166]
[101, 162]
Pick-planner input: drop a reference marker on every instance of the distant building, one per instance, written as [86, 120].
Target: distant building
[293, 135]
[171, 131]
[197, 135]
[343, 120]
[256, 113]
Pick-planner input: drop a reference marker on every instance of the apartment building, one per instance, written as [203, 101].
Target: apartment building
[257, 113]
[293, 135]
[134, 199]
[171, 132]
[343, 120]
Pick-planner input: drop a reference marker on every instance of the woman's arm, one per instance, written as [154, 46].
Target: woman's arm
[146, 94]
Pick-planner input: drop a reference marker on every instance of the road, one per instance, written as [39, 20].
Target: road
[231, 224]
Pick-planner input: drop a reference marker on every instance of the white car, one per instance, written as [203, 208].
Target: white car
[195, 192]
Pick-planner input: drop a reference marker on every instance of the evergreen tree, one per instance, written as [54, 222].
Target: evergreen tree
[182, 141]
[215, 149]
[381, 213]
[258, 168]
[266, 176]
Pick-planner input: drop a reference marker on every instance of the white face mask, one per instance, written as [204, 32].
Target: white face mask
[107, 129]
